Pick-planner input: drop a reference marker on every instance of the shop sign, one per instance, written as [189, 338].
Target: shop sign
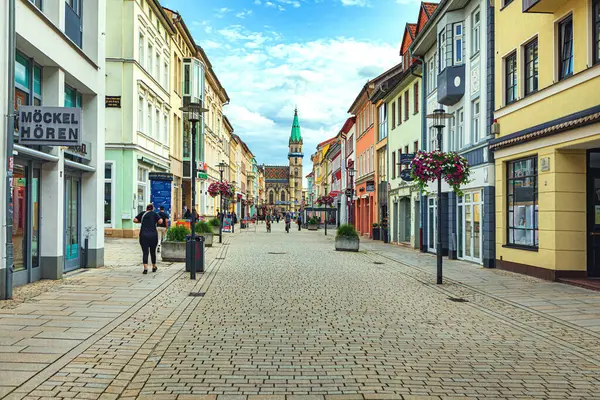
[405, 175]
[160, 176]
[406, 158]
[49, 126]
[112, 101]
[82, 151]
[370, 186]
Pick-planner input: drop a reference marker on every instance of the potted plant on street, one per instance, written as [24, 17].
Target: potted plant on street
[173, 247]
[203, 228]
[376, 233]
[313, 223]
[215, 224]
[347, 238]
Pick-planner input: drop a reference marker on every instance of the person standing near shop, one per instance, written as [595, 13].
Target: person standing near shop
[148, 235]
[162, 228]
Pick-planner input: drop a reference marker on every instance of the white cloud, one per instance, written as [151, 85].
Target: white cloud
[266, 78]
[243, 14]
[358, 3]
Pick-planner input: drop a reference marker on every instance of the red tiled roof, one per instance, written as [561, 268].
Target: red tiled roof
[412, 29]
[430, 7]
[326, 142]
[277, 172]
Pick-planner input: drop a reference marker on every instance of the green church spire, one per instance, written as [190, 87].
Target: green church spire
[296, 137]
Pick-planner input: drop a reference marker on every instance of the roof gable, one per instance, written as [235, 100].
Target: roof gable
[407, 39]
[425, 13]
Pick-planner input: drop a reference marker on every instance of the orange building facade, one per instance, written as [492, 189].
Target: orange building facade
[365, 182]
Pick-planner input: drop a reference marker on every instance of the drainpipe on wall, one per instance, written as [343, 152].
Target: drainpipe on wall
[10, 128]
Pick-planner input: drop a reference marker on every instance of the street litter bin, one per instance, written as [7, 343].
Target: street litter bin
[198, 260]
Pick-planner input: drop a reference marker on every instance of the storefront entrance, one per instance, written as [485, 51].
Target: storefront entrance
[26, 227]
[469, 223]
[593, 214]
[72, 223]
[405, 220]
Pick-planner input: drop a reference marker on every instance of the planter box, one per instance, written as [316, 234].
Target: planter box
[172, 251]
[344, 243]
[376, 233]
[216, 230]
[313, 227]
[208, 239]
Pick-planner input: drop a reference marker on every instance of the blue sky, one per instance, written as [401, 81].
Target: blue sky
[271, 55]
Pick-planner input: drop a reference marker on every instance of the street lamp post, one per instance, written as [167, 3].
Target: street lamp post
[351, 172]
[439, 116]
[326, 216]
[194, 113]
[221, 166]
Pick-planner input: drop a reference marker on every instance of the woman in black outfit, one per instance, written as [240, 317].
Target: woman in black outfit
[148, 235]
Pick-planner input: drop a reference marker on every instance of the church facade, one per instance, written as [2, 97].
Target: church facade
[283, 183]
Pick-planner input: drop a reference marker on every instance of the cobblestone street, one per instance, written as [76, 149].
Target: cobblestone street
[284, 316]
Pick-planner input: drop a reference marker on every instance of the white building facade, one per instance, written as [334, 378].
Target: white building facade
[56, 191]
[457, 51]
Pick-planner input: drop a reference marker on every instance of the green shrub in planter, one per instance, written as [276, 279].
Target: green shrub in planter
[314, 221]
[215, 222]
[347, 230]
[375, 225]
[203, 227]
[177, 234]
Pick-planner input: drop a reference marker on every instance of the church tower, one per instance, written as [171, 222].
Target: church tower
[295, 157]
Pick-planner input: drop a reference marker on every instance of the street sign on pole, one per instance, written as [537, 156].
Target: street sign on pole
[349, 192]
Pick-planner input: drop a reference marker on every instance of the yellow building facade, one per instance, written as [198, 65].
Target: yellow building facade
[547, 145]
[182, 47]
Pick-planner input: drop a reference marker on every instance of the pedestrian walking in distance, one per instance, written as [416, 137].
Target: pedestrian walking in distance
[148, 235]
[162, 227]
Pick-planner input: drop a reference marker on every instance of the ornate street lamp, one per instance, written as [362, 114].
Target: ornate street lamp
[351, 172]
[193, 111]
[221, 167]
[439, 116]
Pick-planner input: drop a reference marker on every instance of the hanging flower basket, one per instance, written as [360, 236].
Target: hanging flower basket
[325, 200]
[426, 167]
[224, 189]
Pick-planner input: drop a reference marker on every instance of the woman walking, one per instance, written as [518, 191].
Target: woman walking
[148, 235]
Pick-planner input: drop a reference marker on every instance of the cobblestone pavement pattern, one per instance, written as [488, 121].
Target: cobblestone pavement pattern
[284, 316]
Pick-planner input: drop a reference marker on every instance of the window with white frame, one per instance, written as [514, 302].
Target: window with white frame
[383, 124]
[157, 130]
[157, 66]
[372, 159]
[166, 76]
[442, 50]
[150, 53]
[458, 44]
[463, 139]
[476, 114]
[140, 116]
[431, 75]
[141, 45]
[149, 121]
[166, 129]
[432, 138]
[142, 189]
[476, 29]
[108, 195]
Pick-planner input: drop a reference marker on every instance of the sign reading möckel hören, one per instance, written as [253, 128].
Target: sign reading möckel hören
[50, 126]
